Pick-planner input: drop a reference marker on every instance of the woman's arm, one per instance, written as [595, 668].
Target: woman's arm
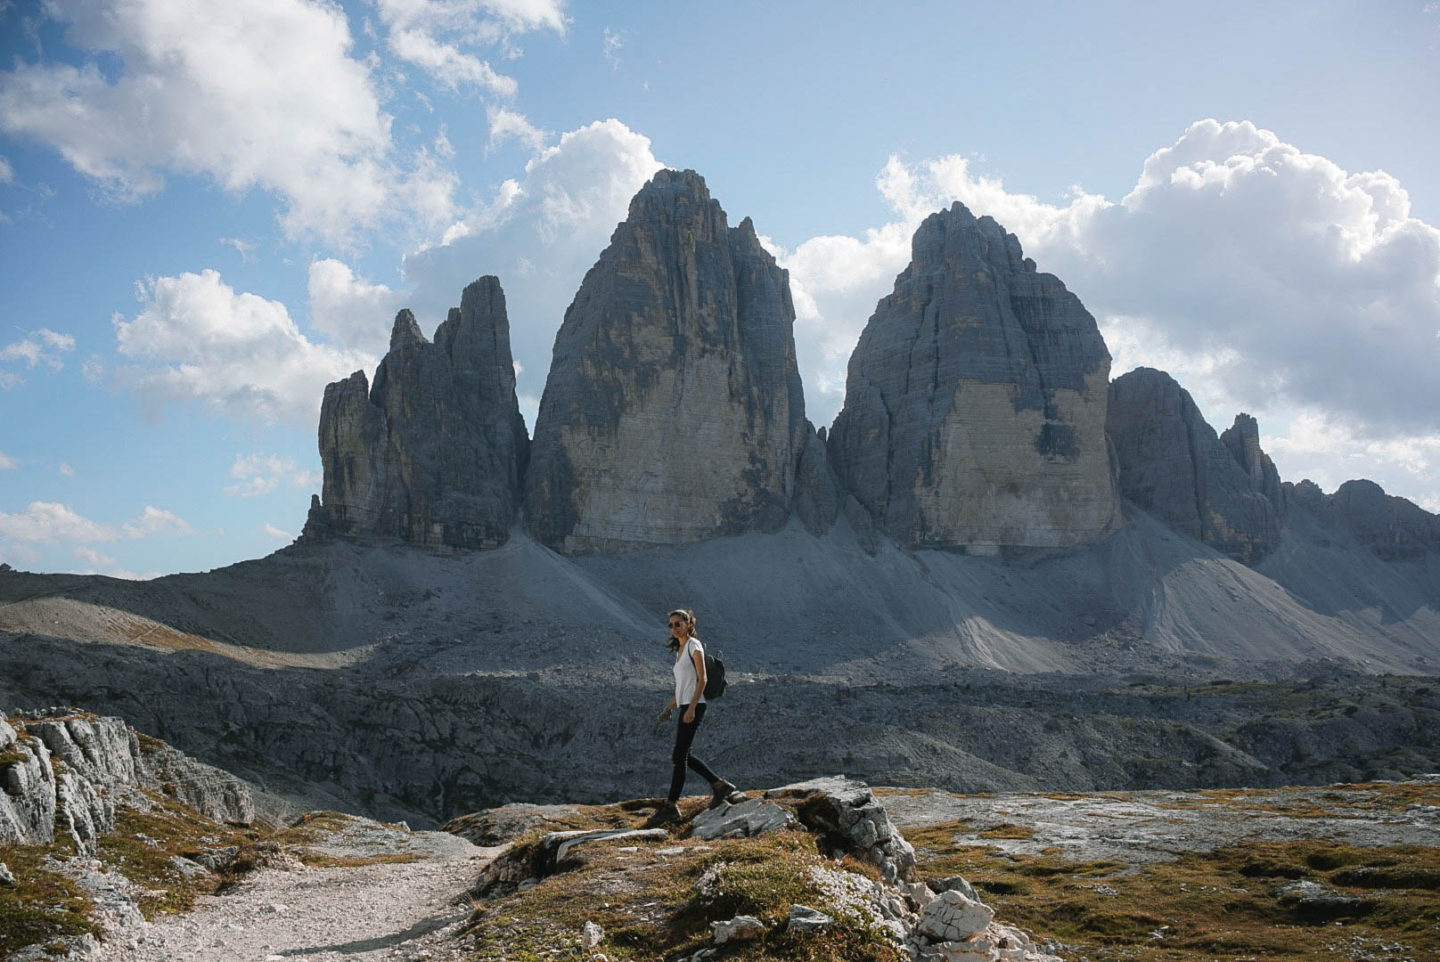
[698, 660]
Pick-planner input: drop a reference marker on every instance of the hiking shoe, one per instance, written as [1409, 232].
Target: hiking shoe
[723, 792]
[666, 814]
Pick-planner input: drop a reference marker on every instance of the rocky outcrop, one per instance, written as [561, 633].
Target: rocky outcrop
[1172, 464]
[434, 452]
[65, 771]
[673, 409]
[1393, 528]
[975, 401]
[1242, 440]
[848, 817]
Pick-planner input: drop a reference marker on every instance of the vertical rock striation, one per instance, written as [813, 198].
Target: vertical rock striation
[435, 451]
[1174, 466]
[673, 409]
[975, 401]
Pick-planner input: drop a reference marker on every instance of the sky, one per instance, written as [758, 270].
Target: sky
[209, 210]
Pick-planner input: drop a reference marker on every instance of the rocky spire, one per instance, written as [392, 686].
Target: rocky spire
[673, 410]
[1173, 466]
[435, 452]
[1242, 439]
[975, 402]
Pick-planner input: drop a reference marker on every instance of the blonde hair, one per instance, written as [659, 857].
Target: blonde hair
[689, 617]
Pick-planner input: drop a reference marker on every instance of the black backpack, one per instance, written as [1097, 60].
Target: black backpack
[714, 676]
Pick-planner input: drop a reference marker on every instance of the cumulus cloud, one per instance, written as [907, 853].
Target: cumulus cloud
[42, 346]
[540, 235]
[196, 339]
[46, 522]
[260, 474]
[277, 532]
[440, 36]
[509, 125]
[252, 93]
[350, 310]
[1264, 278]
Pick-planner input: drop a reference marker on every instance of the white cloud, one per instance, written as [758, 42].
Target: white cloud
[7, 173]
[252, 93]
[1264, 278]
[65, 470]
[242, 247]
[350, 310]
[198, 340]
[40, 346]
[611, 44]
[509, 125]
[154, 521]
[93, 369]
[45, 522]
[93, 558]
[439, 36]
[260, 474]
[277, 532]
[7, 463]
[539, 236]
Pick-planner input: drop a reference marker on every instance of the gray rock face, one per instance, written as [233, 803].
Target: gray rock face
[1394, 529]
[975, 401]
[1242, 439]
[673, 409]
[434, 452]
[68, 772]
[846, 813]
[1174, 466]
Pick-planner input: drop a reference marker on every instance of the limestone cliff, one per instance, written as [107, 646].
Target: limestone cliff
[975, 401]
[434, 452]
[1393, 528]
[1172, 464]
[673, 409]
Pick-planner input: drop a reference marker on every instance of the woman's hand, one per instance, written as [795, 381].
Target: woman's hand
[665, 715]
[689, 716]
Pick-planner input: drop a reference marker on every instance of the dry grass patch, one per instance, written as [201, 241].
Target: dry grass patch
[650, 908]
[1203, 906]
[43, 904]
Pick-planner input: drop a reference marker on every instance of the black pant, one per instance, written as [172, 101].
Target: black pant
[681, 757]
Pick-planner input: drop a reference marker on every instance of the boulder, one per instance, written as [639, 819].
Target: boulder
[1172, 465]
[807, 921]
[750, 817]
[742, 928]
[673, 410]
[951, 917]
[975, 400]
[433, 453]
[847, 816]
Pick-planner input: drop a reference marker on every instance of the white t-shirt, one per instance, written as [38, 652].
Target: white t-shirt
[685, 677]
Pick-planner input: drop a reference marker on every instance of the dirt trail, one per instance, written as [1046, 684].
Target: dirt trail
[385, 910]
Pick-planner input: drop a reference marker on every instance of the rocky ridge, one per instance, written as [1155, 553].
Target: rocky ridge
[1225, 493]
[975, 402]
[67, 771]
[673, 410]
[433, 454]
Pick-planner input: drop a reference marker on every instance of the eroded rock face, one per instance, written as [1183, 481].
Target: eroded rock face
[673, 409]
[975, 401]
[1242, 440]
[1393, 528]
[67, 772]
[1174, 466]
[434, 452]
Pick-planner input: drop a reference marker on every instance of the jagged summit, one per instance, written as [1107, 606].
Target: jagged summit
[433, 454]
[1171, 463]
[975, 402]
[673, 410]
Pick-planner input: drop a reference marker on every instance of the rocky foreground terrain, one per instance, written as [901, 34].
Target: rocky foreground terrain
[827, 869]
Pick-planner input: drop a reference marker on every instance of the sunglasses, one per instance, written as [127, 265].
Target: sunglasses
[678, 624]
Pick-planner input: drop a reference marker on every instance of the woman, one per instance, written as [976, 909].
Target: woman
[690, 692]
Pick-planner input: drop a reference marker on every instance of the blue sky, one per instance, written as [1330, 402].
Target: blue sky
[208, 211]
